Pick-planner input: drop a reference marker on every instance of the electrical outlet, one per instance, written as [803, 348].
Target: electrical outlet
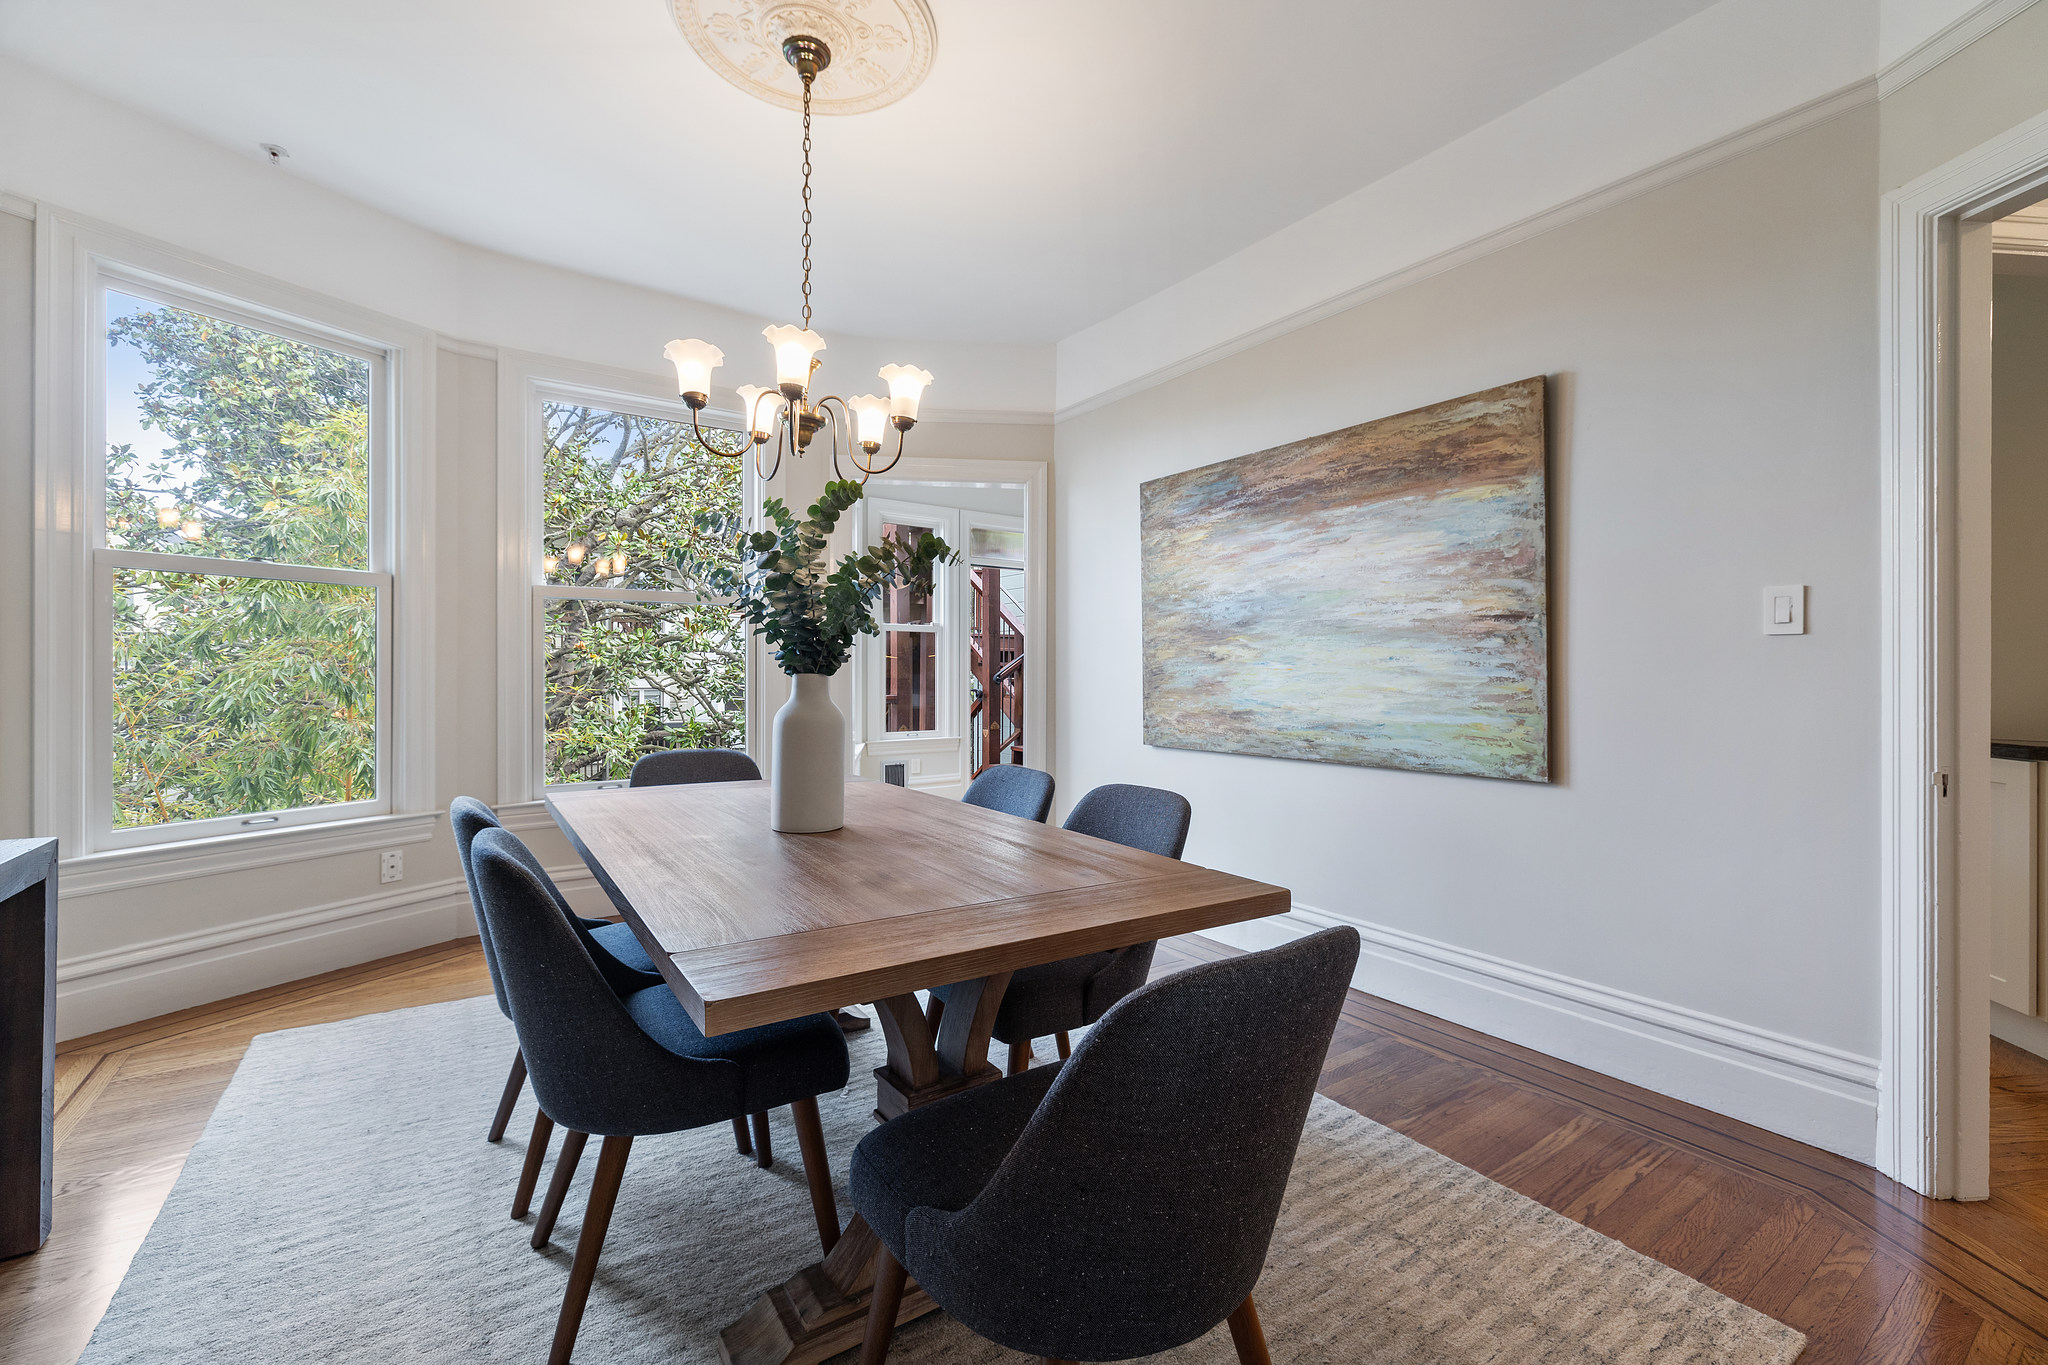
[394, 865]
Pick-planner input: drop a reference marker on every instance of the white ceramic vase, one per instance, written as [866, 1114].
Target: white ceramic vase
[810, 760]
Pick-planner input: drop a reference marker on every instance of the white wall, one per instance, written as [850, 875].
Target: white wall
[1707, 855]
[2019, 509]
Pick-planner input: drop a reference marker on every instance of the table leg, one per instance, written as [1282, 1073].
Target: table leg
[927, 1063]
[822, 1309]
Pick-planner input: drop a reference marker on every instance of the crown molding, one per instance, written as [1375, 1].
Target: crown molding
[478, 350]
[1790, 123]
[18, 206]
[1947, 43]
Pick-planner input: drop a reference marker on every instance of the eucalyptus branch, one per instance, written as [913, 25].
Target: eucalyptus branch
[783, 590]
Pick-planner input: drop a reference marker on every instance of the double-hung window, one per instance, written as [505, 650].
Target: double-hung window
[241, 542]
[636, 654]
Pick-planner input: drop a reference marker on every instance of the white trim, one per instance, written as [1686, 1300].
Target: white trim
[1918, 1135]
[524, 380]
[75, 258]
[96, 874]
[1790, 123]
[18, 206]
[1809, 1091]
[1947, 43]
[475, 350]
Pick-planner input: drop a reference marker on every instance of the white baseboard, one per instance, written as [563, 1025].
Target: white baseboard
[1814, 1093]
[2023, 1031]
[139, 981]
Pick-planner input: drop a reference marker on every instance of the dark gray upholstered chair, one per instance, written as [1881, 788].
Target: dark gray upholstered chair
[1013, 790]
[674, 767]
[1120, 1203]
[625, 964]
[1058, 996]
[627, 1066]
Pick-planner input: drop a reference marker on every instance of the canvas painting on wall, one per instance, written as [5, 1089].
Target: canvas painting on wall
[1375, 596]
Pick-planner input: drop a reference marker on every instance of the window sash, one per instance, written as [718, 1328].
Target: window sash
[102, 733]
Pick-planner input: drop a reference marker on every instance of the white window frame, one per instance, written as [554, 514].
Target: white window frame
[525, 383]
[947, 624]
[77, 262]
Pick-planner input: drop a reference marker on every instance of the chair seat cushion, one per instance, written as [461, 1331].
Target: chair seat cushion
[621, 942]
[1049, 998]
[939, 1156]
[779, 1063]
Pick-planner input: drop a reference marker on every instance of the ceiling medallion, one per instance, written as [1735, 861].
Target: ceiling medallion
[881, 49]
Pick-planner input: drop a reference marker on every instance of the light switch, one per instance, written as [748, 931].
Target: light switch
[1785, 610]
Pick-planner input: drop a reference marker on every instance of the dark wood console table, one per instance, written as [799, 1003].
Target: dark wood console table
[28, 1039]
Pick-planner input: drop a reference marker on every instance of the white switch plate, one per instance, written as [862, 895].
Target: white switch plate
[393, 869]
[1785, 610]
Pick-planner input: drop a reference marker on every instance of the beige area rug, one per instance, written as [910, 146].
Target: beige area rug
[342, 1205]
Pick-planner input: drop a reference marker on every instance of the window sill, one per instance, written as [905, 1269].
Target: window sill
[96, 874]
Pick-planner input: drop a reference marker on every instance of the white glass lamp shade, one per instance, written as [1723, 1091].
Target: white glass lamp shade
[794, 347]
[906, 386]
[694, 361]
[760, 407]
[870, 419]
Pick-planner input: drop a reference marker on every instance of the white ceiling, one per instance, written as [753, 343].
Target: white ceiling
[1064, 159]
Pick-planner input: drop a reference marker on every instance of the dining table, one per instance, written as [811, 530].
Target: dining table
[751, 927]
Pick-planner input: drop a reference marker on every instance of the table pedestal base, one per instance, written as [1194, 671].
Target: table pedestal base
[823, 1308]
[810, 1317]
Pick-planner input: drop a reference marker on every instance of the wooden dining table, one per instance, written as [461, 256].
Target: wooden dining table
[751, 927]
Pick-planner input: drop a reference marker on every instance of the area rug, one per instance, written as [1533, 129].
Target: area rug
[342, 1205]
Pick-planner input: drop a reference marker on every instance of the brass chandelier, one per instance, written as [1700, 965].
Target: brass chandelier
[786, 413]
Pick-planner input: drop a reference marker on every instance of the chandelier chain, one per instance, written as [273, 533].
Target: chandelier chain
[807, 203]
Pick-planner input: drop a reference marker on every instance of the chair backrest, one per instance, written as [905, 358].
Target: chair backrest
[469, 817]
[1141, 1197]
[1014, 790]
[1136, 817]
[593, 1068]
[675, 767]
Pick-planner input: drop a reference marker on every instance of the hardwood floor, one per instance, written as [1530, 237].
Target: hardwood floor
[1870, 1272]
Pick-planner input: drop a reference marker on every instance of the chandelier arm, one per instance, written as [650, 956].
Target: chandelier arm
[900, 434]
[776, 468]
[698, 432]
[823, 406]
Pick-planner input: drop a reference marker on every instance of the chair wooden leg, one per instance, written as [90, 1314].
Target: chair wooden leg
[1249, 1336]
[810, 1141]
[764, 1151]
[558, 1188]
[1066, 1044]
[514, 1083]
[529, 1175]
[888, 1297]
[740, 1138]
[1020, 1057]
[597, 1220]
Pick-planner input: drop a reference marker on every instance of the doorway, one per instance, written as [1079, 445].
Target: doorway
[1941, 933]
[955, 682]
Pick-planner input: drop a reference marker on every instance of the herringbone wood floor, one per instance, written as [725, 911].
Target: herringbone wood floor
[1870, 1272]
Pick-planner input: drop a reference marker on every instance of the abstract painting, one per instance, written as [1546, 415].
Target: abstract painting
[1375, 596]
